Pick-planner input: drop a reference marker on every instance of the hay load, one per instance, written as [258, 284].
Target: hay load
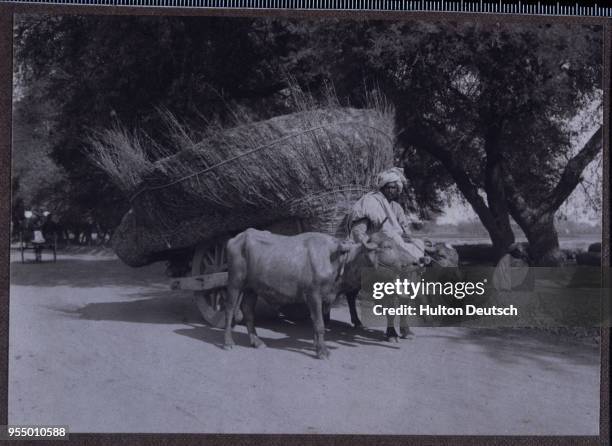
[309, 165]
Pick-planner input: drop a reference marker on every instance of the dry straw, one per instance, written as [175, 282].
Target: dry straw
[309, 165]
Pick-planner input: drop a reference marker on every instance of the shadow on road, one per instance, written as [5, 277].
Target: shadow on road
[86, 274]
[157, 308]
[297, 337]
[505, 346]
[160, 308]
[512, 345]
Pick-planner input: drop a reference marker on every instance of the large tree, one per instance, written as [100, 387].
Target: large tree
[495, 111]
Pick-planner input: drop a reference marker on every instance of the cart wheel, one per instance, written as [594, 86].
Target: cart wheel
[212, 258]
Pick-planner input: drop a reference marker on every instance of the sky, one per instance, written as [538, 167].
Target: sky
[579, 207]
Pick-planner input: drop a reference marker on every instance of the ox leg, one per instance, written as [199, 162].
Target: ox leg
[231, 305]
[351, 298]
[326, 314]
[315, 305]
[405, 330]
[249, 299]
[391, 333]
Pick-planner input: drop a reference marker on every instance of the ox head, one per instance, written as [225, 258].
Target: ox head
[444, 264]
[391, 252]
[443, 254]
[379, 250]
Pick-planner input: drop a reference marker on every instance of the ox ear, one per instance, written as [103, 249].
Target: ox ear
[349, 249]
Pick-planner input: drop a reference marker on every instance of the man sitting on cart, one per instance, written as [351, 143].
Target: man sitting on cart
[379, 211]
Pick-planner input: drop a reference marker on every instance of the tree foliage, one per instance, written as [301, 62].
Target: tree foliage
[485, 107]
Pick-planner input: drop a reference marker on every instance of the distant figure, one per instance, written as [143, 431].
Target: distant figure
[50, 226]
[29, 222]
[91, 234]
[33, 233]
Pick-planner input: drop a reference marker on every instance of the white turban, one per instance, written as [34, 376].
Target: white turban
[393, 175]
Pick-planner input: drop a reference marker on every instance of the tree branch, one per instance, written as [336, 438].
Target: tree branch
[520, 210]
[462, 179]
[571, 176]
[493, 181]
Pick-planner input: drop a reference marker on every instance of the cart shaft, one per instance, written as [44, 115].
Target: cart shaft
[202, 282]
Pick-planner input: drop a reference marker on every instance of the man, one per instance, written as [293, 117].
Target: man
[380, 211]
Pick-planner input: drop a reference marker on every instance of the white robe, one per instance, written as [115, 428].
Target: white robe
[387, 217]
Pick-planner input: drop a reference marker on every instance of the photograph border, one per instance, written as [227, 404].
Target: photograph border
[7, 10]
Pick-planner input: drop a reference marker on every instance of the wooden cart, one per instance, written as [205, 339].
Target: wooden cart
[208, 279]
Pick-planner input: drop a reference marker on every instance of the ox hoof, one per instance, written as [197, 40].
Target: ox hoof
[358, 325]
[391, 335]
[228, 345]
[257, 343]
[323, 354]
[406, 332]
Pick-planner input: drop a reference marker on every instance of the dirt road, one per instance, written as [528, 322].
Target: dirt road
[104, 348]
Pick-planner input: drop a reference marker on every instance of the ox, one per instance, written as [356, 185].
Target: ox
[437, 257]
[310, 268]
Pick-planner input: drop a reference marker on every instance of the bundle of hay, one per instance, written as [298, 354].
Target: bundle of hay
[309, 165]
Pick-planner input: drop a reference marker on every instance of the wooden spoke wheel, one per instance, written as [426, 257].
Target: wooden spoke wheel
[212, 258]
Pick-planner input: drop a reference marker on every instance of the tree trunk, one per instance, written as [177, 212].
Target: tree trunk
[537, 221]
[539, 227]
[501, 236]
[498, 223]
[494, 213]
[543, 241]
